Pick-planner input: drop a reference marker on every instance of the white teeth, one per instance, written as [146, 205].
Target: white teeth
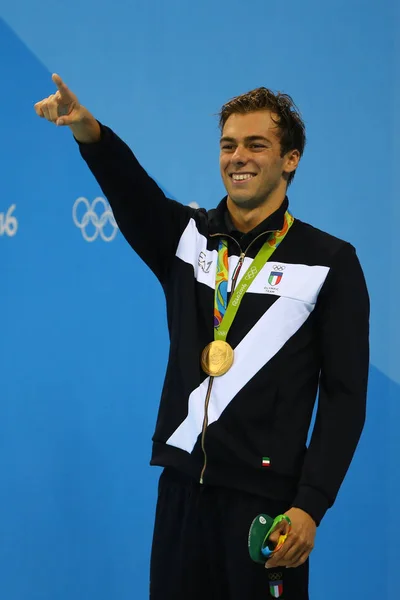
[236, 177]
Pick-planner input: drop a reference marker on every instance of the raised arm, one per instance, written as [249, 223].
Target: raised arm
[150, 222]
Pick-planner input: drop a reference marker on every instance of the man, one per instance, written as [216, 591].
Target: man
[264, 311]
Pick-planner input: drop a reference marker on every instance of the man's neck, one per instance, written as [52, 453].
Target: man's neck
[247, 219]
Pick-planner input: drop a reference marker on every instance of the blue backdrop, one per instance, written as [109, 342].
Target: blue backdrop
[78, 401]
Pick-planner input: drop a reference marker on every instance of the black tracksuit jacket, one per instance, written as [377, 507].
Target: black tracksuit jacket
[301, 332]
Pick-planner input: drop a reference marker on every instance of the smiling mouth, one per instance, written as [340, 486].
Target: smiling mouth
[241, 177]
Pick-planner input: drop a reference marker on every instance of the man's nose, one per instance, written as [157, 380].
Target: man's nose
[239, 156]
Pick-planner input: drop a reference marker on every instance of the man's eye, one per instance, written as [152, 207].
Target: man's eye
[227, 147]
[257, 146]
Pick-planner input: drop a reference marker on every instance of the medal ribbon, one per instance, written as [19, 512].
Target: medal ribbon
[225, 313]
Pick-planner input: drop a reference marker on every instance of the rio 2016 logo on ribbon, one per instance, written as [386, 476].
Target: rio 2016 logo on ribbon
[92, 222]
[8, 223]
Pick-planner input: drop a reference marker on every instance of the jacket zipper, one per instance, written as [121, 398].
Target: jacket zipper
[210, 383]
[205, 425]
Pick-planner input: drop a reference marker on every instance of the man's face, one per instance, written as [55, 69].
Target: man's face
[250, 158]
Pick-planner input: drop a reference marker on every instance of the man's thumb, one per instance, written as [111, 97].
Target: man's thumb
[63, 121]
[274, 537]
[279, 530]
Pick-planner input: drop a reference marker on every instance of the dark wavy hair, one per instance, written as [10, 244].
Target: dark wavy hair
[284, 113]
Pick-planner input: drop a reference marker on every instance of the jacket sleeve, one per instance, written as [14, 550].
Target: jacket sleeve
[343, 329]
[150, 222]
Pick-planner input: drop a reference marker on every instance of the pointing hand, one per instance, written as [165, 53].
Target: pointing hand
[61, 108]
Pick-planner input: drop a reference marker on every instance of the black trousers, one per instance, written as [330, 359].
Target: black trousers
[200, 545]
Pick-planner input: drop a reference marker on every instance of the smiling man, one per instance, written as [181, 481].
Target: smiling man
[253, 162]
[265, 313]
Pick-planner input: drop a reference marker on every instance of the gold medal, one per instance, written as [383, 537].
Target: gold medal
[217, 358]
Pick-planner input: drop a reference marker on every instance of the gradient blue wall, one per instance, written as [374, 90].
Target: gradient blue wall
[78, 398]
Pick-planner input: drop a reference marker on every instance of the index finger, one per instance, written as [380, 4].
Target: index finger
[60, 84]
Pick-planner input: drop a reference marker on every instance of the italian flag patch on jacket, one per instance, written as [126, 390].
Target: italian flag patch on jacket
[276, 589]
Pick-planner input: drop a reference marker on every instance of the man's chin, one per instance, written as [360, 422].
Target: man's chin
[244, 200]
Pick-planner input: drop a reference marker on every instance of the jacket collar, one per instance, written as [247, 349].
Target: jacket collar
[219, 221]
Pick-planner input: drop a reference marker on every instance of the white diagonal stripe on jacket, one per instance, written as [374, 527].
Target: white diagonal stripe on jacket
[277, 325]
